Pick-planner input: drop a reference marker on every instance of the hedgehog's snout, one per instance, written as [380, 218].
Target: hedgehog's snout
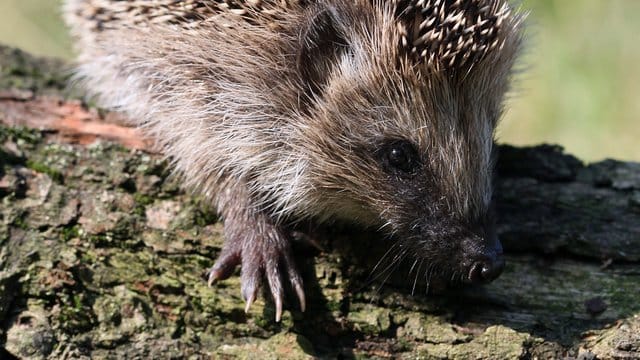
[484, 263]
[486, 268]
[469, 253]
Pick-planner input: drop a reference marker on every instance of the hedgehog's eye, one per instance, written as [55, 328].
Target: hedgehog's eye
[401, 155]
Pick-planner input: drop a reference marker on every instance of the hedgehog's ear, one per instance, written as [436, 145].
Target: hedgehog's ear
[322, 43]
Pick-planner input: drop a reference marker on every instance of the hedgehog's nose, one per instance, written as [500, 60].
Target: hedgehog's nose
[486, 269]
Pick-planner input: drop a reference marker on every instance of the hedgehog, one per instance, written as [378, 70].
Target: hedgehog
[377, 113]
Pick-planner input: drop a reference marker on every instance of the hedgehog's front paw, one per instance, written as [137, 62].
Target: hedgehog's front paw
[260, 255]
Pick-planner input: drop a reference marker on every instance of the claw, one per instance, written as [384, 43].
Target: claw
[224, 266]
[296, 281]
[274, 279]
[261, 255]
[249, 290]
[301, 298]
[214, 276]
[278, 302]
[250, 301]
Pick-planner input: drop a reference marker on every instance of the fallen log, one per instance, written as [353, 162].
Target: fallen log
[102, 255]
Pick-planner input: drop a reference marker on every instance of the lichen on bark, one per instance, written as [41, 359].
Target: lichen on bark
[102, 255]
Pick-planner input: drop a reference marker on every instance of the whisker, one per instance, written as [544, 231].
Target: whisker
[392, 268]
[383, 257]
[377, 273]
[415, 281]
[412, 266]
[427, 275]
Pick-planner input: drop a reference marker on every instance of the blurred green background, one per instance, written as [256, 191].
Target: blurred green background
[580, 84]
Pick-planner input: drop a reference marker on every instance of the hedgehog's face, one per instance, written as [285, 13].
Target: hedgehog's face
[405, 143]
[437, 201]
[420, 173]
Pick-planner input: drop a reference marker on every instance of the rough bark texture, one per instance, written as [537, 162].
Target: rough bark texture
[102, 256]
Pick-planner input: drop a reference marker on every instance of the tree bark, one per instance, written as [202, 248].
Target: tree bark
[102, 255]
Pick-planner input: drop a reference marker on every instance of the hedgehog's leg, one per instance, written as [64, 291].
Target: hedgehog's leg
[263, 249]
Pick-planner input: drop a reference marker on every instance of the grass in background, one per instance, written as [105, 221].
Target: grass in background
[35, 26]
[580, 89]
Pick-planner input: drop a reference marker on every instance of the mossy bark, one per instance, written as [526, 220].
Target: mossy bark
[102, 255]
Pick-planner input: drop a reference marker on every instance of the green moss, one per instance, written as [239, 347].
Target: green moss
[20, 221]
[142, 199]
[54, 174]
[68, 233]
[77, 302]
[403, 345]
[20, 133]
[125, 229]
[333, 306]
[151, 167]
[101, 240]
[204, 216]
[20, 70]
[370, 319]
[76, 319]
